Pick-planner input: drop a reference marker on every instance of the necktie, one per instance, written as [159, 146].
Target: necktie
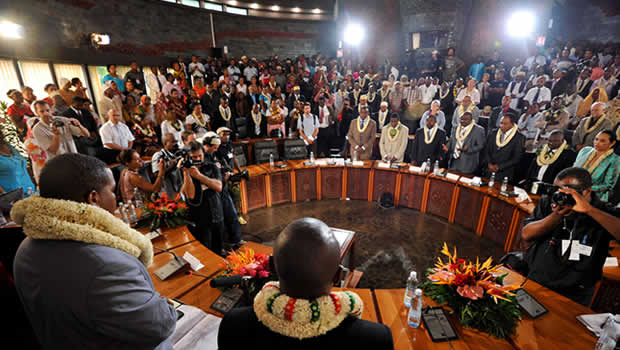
[321, 116]
[362, 123]
[502, 135]
[226, 113]
[535, 100]
[158, 82]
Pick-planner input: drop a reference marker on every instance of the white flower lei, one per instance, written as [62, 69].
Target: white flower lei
[303, 318]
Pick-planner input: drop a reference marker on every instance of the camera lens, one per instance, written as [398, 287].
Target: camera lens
[562, 199]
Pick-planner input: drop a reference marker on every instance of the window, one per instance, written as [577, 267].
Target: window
[9, 79]
[36, 75]
[213, 7]
[71, 71]
[415, 41]
[236, 11]
[192, 3]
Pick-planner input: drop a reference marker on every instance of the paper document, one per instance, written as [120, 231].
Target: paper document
[193, 261]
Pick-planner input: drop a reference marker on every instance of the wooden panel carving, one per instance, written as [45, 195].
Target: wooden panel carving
[305, 184]
[257, 197]
[331, 183]
[517, 242]
[411, 191]
[468, 207]
[357, 183]
[384, 181]
[281, 187]
[497, 221]
[440, 198]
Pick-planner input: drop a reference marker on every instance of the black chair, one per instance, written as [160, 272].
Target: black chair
[295, 149]
[262, 150]
[240, 155]
[568, 136]
[483, 122]
[241, 125]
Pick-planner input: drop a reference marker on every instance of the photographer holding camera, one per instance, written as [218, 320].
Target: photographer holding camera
[169, 154]
[55, 134]
[570, 230]
[203, 198]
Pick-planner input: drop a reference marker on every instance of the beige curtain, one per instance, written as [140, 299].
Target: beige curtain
[8, 80]
[36, 75]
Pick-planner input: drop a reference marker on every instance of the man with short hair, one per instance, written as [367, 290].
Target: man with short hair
[497, 89]
[428, 143]
[504, 149]
[466, 106]
[136, 77]
[55, 134]
[115, 136]
[196, 69]
[590, 126]
[327, 125]
[571, 241]
[292, 98]
[381, 117]
[394, 138]
[308, 127]
[516, 90]
[465, 144]
[173, 178]
[187, 136]
[361, 136]
[554, 157]
[498, 112]
[539, 94]
[559, 84]
[110, 101]
[224, 115]
[86, 145]
[81, 273]
[306, 257]
[233, 71]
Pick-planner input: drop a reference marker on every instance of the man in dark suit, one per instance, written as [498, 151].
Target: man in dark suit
[504, 149]
[554, 158]
[223, 115]
[306, 257]
[86, 145]
[559, 84]
[497, 113]
[428, 142]
[294, 97]
[209, 101]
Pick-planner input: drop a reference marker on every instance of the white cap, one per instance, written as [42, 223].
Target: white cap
[413, 274]
[418, 292]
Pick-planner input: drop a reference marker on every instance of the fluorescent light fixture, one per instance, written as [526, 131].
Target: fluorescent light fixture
[316, 11]
[353, 34]
[296, 9]
[10, 30]
[254, 5]
[275, 8]
[521, 24]
[100, 39]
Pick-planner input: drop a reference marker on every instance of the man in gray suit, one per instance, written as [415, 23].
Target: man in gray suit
[465, 145]
[81, 272]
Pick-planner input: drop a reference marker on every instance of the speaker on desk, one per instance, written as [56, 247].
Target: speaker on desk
[241, 124]
[295, 149]
[240, 155]
[262, 150]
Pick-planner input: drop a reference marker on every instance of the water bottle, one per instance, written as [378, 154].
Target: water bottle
[412, 285]
[389, 160]
[427, 165]
[492, 180]
[136, 198]
[29, 192]
[123, 211]
[312, 157]
[131, 210]
[415, 311]
[609, 337]
[505, 185]
[290, 132]
[271, 163]
[436, 168]
[354, 156]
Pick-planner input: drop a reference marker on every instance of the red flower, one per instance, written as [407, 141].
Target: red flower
[263, 274]
[461, 280]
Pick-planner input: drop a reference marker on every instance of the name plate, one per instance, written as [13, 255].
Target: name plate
[358, 163]
[416, 169]
[153, 234]
[383, 165]
[453, 177]
[465, 180]
[321, 162]
[193, 261]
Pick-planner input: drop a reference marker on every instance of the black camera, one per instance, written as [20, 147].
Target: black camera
[562, 199]
[58, 123]
[557, 198]
[238, 176]
[188, 162]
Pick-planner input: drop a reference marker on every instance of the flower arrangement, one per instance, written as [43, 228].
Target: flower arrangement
[475, 293]
[163, 210]
[246, 262]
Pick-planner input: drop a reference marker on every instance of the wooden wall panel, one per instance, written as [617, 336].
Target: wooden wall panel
[357, 183]
[331, 183]
[257, 197]
[498, 220]
[305, 184]
[517, 242]
[411, 191]
[281, 187]
[468, 207]
[384, 181]
[440, 198]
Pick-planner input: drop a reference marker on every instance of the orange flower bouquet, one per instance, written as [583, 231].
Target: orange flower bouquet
[475, 293]
[163, 210]
[246, 262]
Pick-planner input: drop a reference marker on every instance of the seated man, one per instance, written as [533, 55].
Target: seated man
[571, 269]
[554, 157]
[428, 142]
[115, 136]
[81, 273]
[394, 138]
[306, 256]
[504, 149]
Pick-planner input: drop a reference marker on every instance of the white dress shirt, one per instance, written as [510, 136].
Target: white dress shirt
[325, 122]
[474, 94]
[544, 95]
[118, 134]
[427, 93]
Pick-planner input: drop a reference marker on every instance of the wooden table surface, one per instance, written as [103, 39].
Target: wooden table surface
[171, 238]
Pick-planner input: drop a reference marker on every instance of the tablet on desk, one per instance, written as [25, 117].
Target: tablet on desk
[527, 303]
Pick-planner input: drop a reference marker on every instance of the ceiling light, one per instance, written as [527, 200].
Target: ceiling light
[275, 8]
[354, 34]
[254, 5]
[296, 9]
[11, 30]
[316, 11]
[232, 2]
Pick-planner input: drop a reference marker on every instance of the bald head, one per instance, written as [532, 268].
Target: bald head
[306, 255]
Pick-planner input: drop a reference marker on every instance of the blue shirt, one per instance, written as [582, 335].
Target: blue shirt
[440, 119]
[13, 173]
[476, 70]
[120, 83]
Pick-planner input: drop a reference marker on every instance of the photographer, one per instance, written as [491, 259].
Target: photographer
[55, 134]
[570, 230]
[203, 198]
[172, 179]
[212, 143]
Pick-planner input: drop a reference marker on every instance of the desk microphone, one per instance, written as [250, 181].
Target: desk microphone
[168, 251]
[228, 281]
[192, 273]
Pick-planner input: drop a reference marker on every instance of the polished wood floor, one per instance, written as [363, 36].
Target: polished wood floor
[390, 242]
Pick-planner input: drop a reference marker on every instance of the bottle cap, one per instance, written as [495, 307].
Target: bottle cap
[413, 274]
[418, 292]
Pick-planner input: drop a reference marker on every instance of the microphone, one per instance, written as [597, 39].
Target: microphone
[168, 251]
[228, 281]
[192, 273]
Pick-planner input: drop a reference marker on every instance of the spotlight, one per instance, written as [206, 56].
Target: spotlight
[521, 24]
[10, 30]
[275, 8]
[98, 39]
[316, 11]
[353, 34]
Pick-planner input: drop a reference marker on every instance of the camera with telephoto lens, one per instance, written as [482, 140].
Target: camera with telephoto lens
[238, 176]
[58, 123]
[188, 162]
[557, 197]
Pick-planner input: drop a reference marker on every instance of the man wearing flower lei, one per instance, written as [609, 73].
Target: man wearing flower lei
[504, 149]
[362, 134]
[429, 142]
[589, 127]
[570, 241]
[300, 311]
[465, 144]
[555, 156]
[554, 118]
[393, 142]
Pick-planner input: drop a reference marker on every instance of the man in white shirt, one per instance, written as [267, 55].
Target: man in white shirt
[152, 83]
[327, 118]
[169, 86]
[470, 91]
[234, 71]
[250, 71]
[516, 90]
[55, 134]
[427, 92]
[527, 125]
[115, 136]
[196, 69]
[440, 117]
[308, 127]
[539, 94]
[535, 60]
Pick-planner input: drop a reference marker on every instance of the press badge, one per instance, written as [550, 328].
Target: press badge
[230, 155]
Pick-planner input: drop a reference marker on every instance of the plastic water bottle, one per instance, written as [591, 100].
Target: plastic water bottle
[389, 160]
[312, 157]
[271, 162]
[609, 336]
[30, 192]
[354, 155]
[123, 212]
[415, 311]
[427, 165]
[412, 285]
[131, 210]
[436, 168]
[505, 185]
[136, 198]
[492, 180]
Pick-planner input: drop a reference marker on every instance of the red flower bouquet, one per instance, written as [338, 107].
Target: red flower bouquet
[163, 210]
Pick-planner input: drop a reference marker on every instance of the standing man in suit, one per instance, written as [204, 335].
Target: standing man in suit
[90, 145]
[429, 142]
[498, 113]
[327, 127]
[394, 138]
[504, 149]
[294, 97]
[224, 115]
[381, 117]
[362, 134]
[308, 248]
[559, 84]
[209, 100]
[465, 144]
[554, 157]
